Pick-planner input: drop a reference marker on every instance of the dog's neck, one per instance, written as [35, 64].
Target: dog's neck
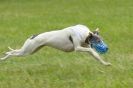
[88, 38]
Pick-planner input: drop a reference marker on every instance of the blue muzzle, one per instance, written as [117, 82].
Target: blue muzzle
[100, 47]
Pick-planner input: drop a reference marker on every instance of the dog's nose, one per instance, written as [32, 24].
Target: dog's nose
[107, 48]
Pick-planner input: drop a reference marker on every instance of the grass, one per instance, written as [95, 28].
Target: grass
[51, 68]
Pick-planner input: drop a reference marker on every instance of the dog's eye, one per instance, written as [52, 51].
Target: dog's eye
[98, 41]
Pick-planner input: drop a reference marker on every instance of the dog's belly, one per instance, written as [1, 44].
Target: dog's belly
[66, 46]
[61, 42]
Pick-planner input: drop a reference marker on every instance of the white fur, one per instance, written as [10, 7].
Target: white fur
[58, 39]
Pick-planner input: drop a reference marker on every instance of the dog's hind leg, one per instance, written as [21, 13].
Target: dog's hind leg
[5, 57]
[12, 53]
[29, 47]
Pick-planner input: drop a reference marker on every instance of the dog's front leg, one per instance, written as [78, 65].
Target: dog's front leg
[78, 47]
[93, 53]
[97, 57]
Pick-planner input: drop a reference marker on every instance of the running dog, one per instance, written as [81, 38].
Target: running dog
[74, 38]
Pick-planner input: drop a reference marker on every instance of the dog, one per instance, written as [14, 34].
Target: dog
[73, 38]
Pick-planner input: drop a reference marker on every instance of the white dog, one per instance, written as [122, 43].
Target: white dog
[74, 38]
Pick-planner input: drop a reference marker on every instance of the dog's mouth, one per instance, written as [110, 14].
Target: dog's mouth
[98, 44]
[100, 47]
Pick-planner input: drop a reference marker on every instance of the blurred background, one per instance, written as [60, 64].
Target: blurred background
[51, 68]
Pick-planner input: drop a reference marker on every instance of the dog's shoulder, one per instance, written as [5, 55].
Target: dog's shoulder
[81, 29]
[81, 26]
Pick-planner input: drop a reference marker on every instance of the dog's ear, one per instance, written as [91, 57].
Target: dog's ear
[88, 38]
[96, 31]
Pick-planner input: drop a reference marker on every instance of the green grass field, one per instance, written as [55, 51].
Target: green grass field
[51, 68]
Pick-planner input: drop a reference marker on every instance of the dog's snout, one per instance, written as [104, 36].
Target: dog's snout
[107, 48]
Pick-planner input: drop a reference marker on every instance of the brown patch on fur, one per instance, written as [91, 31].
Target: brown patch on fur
[70, 38]
[96, 32]
[88, 38]
[33, 36]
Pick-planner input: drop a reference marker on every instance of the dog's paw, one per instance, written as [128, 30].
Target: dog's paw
[107, 64]
[1, 59]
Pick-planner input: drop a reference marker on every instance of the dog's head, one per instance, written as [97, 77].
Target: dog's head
[96, 42]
